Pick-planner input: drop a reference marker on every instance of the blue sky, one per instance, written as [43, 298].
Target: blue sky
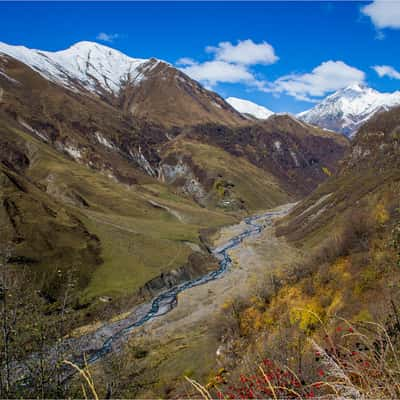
[283, 55]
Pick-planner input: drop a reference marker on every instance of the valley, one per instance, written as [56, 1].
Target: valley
[171, 243]
[189, 325]
[111, 336]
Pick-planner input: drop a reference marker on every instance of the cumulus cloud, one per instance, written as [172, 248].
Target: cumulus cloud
[234, 64]
[186, 61]
[245, 52]
[213, 72]
[326, 77]
[107, 37]
[231, 63]
[383, 13]
[386, 70]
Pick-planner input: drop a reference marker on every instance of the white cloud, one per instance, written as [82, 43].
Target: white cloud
[230, 63]
[213, 72]
[386, 70]
[186, 61]
[107, 37]
[326, 77]
[245, 52]
[383, 13]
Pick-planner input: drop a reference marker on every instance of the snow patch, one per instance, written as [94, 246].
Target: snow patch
[32, 130]
[250, 108]
[138, 156]
[102, 140]
[74, 152]
[295, 159]
[12, 80]
[278, 145]
[215, 104]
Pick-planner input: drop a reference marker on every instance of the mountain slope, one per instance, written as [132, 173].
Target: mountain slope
[128, 83]
[112, 174]
[341, 288]
[347, 109]
[57, 214]
[299, 156]
[249, 108]
[78, 166]
[370, 173]
[216, 178]
[115, 142]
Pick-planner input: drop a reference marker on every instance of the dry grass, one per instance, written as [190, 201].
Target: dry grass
[87, 385]
[356, 361]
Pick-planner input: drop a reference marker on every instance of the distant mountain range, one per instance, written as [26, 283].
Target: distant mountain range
[347, 109]
[151, 88]
[343, 111]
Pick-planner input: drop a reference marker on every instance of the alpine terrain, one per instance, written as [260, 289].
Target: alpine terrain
[159, 240]
[347, 109]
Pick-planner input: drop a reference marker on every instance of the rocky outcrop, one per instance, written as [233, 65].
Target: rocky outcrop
[182, 173]
[198, 264]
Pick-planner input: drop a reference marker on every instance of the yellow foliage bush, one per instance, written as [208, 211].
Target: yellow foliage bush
[227, 305]
[341, 267]
[363, 316]
[336, 304]
[307, 315]
[381, 214]
[367, 280]
[326, 171]
[251, 320]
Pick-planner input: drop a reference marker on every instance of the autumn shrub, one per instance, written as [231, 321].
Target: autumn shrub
[229, 322]
[357, 231]
[353, 361]
[396, 242]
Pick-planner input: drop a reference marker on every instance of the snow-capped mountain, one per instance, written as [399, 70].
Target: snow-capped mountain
[146, 88]
[347, 109]
[88, 64]
[247, 107]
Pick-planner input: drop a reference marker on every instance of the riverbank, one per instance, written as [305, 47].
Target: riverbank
[188, 310]
[185, 340]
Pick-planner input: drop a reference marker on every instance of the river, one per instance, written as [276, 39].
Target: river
[111, 335]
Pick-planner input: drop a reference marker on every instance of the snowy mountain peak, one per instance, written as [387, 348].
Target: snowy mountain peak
[347, 109]
[249, 108]
[354, 90]
[84, 49]
[356, 87]
[87, 64]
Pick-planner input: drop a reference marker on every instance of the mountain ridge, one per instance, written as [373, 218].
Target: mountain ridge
[249, 108]
[347, 109]
[145, 88]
